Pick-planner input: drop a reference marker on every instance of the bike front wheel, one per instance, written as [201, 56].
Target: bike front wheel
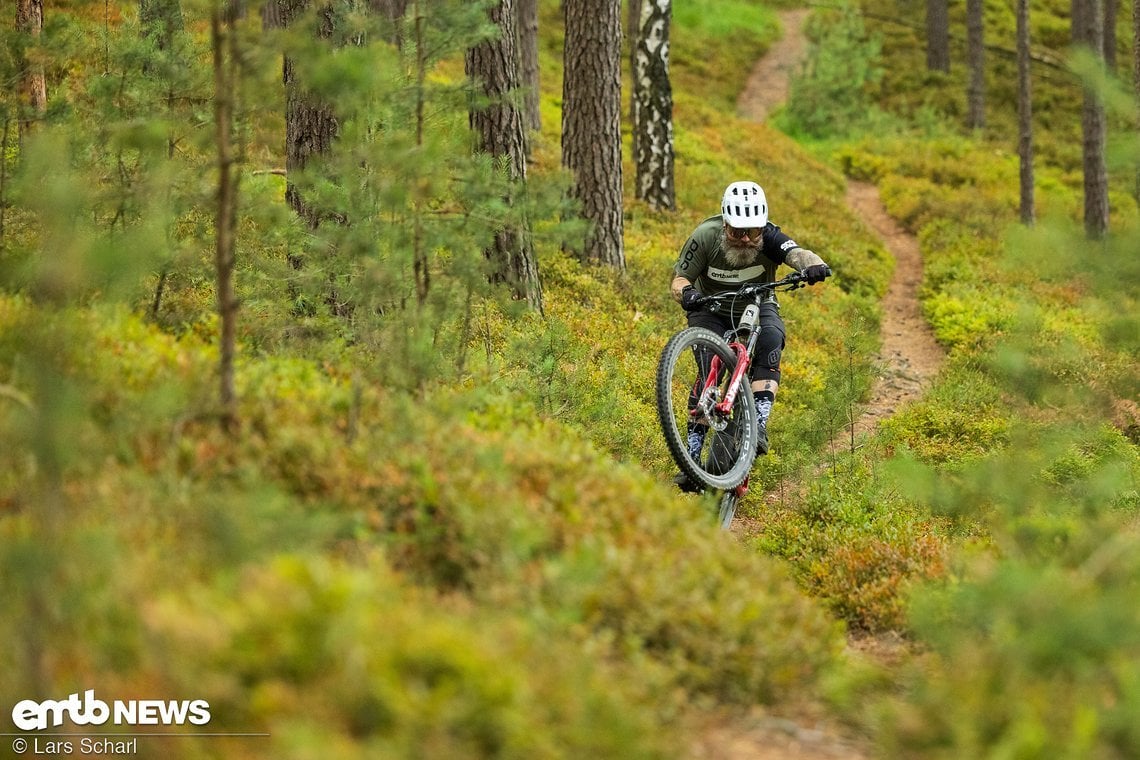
[715, 450]
[728, 501]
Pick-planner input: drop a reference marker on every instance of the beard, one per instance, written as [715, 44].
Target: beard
[740, 253]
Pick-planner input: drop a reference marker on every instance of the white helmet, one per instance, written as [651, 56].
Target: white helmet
[744, 205]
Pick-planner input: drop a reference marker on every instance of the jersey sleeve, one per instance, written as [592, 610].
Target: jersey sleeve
[777, 244]
[693, 260]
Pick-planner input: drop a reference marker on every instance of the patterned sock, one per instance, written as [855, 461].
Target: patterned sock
[764, 400]
[696, 441]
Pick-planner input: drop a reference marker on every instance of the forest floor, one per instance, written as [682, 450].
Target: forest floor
[909, 358]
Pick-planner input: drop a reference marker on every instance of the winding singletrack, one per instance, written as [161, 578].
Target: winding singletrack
[908, 360]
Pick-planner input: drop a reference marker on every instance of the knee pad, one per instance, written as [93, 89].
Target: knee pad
[769, 348]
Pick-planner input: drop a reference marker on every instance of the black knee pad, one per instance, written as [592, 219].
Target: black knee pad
[770, 345]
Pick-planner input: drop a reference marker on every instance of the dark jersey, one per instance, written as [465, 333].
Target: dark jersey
[703, 261]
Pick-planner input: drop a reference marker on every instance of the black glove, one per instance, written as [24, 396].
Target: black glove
[816, 273]
[691, 298]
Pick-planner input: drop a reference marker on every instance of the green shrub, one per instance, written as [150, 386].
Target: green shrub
[831, 96]
[555, 526]
[856, 543]
[1026, 661]
[958, 421]
[329, 656]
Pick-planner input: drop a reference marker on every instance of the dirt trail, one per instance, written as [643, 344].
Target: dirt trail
[909, 359]
[767, 85]
[910, 356]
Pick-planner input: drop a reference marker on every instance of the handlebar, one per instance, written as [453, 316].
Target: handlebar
[793, 281]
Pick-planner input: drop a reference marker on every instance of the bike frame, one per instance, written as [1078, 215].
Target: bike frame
[708, 409]
[743, 363]
[740, 372]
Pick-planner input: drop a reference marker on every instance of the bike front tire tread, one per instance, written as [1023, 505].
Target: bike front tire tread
[676, 439]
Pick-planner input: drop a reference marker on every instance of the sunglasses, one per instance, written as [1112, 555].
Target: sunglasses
[739, 233]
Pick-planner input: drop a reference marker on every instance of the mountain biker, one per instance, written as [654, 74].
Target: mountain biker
[724, 252]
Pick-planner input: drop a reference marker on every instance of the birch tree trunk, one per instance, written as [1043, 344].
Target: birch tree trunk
[653, 107]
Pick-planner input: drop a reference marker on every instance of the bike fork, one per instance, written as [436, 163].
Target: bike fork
[743, 362]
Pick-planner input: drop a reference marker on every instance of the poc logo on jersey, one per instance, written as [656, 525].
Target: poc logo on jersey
[789, 245]
[29, 715]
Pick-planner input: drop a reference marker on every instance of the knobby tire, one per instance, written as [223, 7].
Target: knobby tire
[678, 367]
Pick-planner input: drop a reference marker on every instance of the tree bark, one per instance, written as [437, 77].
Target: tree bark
[1025, 115]
[1093, 125]
[1136, 77]
[632, 28]
[32, 83]
[653, 107]
[229, 178]
[527, 17]
[499, 130]
[976, 54]
[591, 123]
[310, 124]
[1111, 11]
[393, 11]
[937, 35]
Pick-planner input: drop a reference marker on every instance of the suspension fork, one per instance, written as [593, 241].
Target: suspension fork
[703, 392]
[743, 363]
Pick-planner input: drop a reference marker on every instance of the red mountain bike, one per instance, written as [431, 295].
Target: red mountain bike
[702, 381]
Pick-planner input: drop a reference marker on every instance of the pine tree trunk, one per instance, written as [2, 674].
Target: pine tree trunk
[310, 125]
[527, 16]
[500, 131]
[591, 123]
[976, 53]
[653, 107]
[1136, 77]
[32, 84]
[310, 129]
[937, 35]
[1093, 126]
[629, 39]
[1025, 115]
[393, 11]
[1111, 11]
[224, 49]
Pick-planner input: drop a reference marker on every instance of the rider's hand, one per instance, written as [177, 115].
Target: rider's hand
[691, 298]
[816, 273]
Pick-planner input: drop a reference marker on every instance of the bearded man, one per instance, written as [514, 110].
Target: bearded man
[724, 252]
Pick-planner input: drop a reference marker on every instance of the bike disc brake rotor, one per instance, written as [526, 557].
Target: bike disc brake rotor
[706, 412]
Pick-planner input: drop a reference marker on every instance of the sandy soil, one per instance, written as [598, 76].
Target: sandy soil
[908, 360]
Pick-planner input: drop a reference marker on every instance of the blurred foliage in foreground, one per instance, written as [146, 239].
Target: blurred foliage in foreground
[443, 528]
[447, 530]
